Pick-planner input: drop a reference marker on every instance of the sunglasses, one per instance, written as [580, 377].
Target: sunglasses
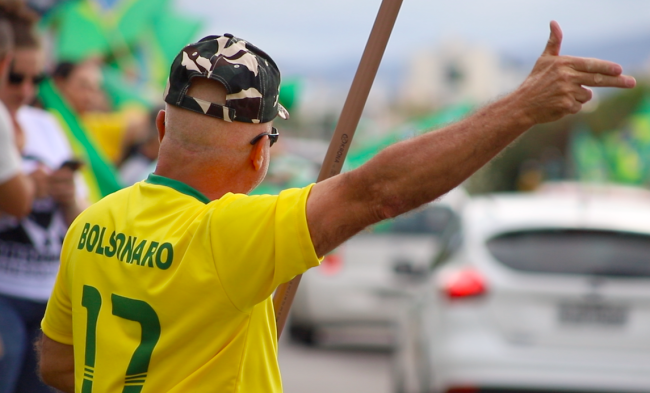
[273, 136]
[18, 79]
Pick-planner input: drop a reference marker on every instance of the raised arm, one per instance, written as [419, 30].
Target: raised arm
[413, 172]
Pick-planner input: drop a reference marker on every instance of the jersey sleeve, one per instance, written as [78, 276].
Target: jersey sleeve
[260, 242]
[57, 322]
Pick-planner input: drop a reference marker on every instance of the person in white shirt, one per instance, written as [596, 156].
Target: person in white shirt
[30, 243]
[16, 189]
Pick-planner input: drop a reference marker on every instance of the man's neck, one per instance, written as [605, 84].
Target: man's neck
[210, 184]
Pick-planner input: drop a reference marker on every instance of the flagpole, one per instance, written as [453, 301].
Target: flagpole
[347, 124]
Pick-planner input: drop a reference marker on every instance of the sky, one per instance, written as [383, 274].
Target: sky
[306, 34]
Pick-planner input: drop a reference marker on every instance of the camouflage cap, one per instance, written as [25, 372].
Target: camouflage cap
[250, 76]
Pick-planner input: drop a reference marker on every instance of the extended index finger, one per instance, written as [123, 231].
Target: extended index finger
[600, 80]
[586, 64]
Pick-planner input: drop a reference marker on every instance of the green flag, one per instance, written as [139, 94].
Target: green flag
[100, 175]
[137, 38]
[587, 156]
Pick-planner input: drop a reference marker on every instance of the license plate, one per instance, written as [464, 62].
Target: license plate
[592, 314]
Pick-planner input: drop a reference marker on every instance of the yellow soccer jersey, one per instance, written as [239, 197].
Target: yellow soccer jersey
[161, 290]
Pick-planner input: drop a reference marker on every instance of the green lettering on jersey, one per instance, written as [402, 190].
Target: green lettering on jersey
[82, 239]
[93, 237]
[128, 249]
[121, 239]
[92, 300]
[168, 260]
[100, 244]
[141, 312]
[130, 309]
[110, 251]
[138, 252]
[148, 257]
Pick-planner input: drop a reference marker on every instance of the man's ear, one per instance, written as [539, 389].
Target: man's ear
[257, 155]
[160, 124]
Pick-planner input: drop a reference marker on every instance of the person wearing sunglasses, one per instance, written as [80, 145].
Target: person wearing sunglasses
[16, 189]
[30, 242]
[17, 79]
[166, 285]
[26, 71]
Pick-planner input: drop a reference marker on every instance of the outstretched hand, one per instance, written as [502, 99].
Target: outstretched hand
[556, 85]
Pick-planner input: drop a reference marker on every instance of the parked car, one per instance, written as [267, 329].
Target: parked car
[543, 292]
[353, 295]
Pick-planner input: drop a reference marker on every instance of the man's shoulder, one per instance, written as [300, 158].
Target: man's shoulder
[244, 201]
[107, 203]
[245, 206]
[255, 197]
[121, 203]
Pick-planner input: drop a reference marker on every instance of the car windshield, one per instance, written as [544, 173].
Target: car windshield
[429, 220]
[569, 251]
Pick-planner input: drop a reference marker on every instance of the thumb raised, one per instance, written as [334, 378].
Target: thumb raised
[554, 41]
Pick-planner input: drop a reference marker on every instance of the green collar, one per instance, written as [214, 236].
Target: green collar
[177, 185]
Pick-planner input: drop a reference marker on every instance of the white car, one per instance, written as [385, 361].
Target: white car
[537, 292]
[352, 297]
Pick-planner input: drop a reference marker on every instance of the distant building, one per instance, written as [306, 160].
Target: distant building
[456, 72]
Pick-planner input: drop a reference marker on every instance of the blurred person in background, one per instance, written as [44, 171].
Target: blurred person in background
[143, 156]
[115, 132]
[16, 189]
[81, 85]
[30, 246]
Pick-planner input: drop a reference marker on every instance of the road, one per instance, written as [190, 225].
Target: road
[326, 370]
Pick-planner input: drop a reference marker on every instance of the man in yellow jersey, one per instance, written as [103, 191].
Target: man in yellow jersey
[165, 286]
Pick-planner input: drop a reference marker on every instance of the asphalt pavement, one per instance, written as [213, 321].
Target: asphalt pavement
[331, 369]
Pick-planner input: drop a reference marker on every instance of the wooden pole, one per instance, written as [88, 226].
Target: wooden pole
[350, 115]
